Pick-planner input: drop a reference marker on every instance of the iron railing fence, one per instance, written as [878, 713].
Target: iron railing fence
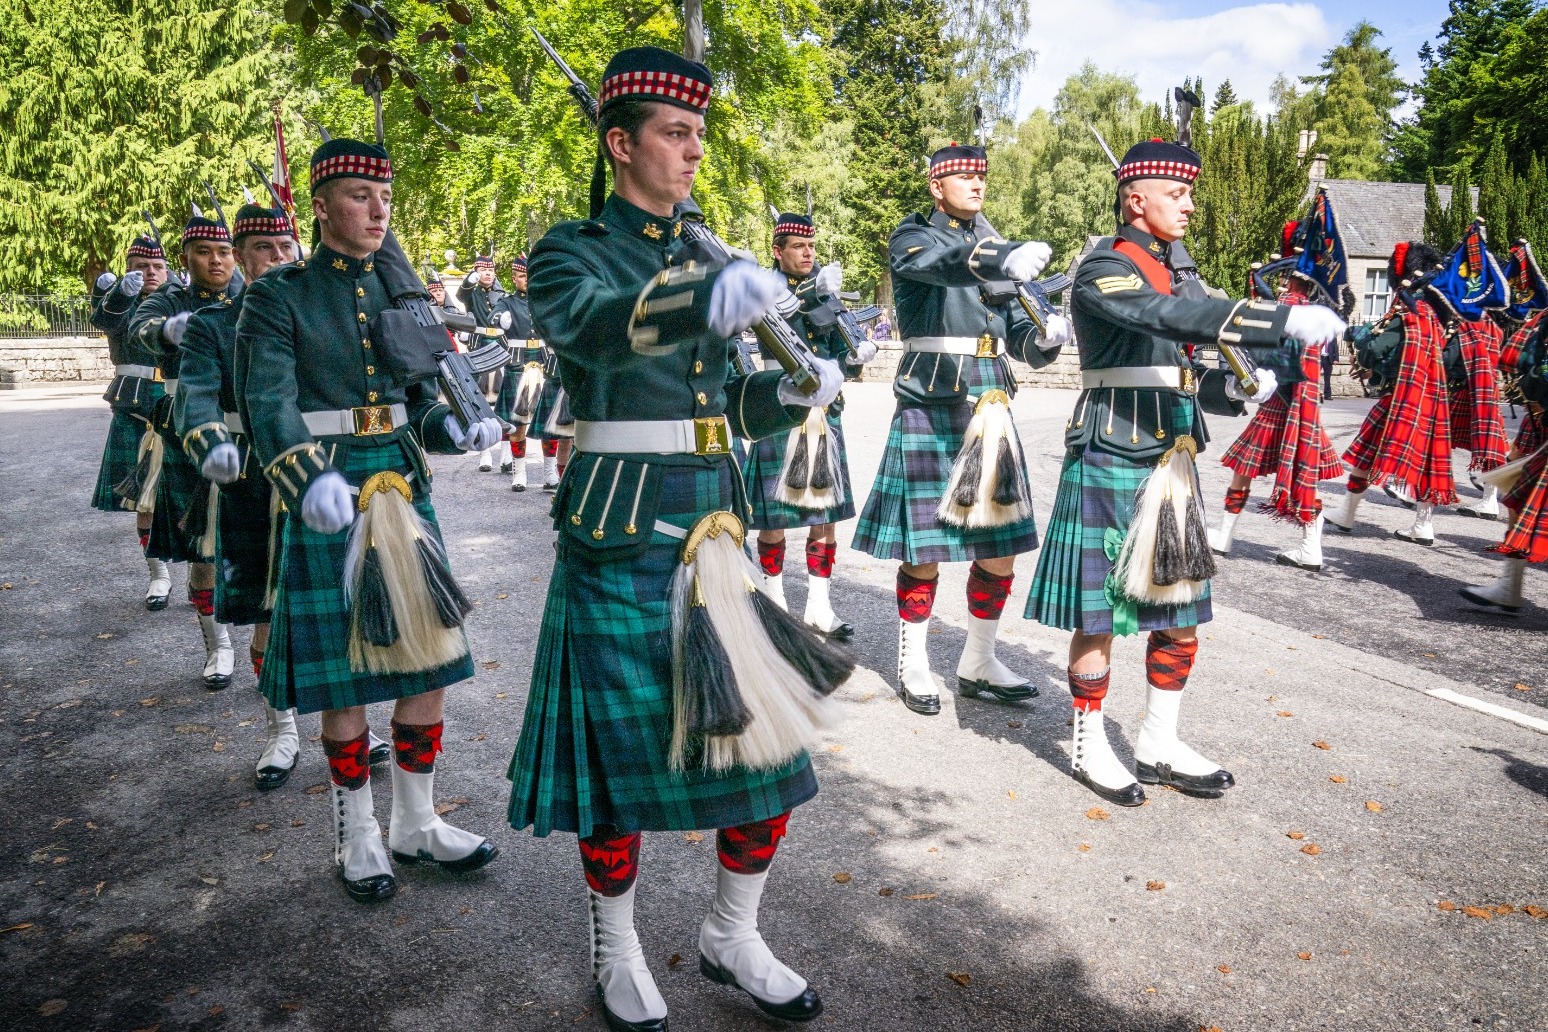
[41, 316]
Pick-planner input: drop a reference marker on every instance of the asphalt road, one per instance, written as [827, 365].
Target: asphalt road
[950, 875]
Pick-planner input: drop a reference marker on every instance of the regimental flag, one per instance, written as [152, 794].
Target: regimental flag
[1528, 289]
[1470, 279]
[1322, 256]
[281, 174]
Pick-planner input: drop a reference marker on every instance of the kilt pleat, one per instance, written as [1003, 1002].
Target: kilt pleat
[899, 519]
[1256, 453]
[762, 471]
[545, 406]
[307, 662]
[242, 550]
[594, 742]
[180, 491]
[120, 454]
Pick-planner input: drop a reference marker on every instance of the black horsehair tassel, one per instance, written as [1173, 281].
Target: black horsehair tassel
[1169, 567]
[1201, 560]
[1007, 478]
[525, 404]
[797, 476]
[373, 605]
[562, 415]
[133, 485]
[822, 469]
[712, 702]
[451, 605]
[972, 472]
[823, 666]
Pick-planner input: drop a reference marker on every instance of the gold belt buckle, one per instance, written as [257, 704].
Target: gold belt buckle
[1188, 384]
[156, 377]
[986, 346]
[711, 435]
[371, 420]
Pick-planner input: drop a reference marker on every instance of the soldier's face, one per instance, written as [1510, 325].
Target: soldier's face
[1161, 207]
[154, 269]
[438, 293]
[353, 214]
[797, 257]
[258, 254]
[660, 166]
[486, 278]
[960, 195]
[519, 279]
[210, 263]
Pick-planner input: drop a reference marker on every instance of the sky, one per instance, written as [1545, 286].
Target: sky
[1161, 42]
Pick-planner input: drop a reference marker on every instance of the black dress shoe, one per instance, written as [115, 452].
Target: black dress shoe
[804, 1007]
[267, 779]
[1402, 535]
[1129, 795]
[518, 487]
[370, 890]
[1284, 560]
[216, 682]
[485, 852]
[928, 705]
[1204, 786]
[618, 1024]
[380, 753]
[505, 467]
[155, 603]
[842, 633]
[1468, 510]
[1392, 493]
[1004, 692]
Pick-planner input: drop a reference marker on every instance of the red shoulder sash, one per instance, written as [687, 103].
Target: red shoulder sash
[1158, 275]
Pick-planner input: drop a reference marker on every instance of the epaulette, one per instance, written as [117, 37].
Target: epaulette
[592, 228]
[917, 219]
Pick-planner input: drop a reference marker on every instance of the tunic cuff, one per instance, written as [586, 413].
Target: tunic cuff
[202, 439]
[293, 471]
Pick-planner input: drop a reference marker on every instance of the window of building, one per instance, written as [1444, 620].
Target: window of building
[1378, 294]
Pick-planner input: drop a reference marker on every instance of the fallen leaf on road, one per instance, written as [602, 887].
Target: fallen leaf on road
[317, 789]
[886, 892]
[1285, 713]
[206, 879]
[923, 895]
[1311, 849]
[260, 827]
[150, 701]
[1446, 905]
[105, 635]
[1304, 955]
[1523, 687]
[444, 808]
[1373, 806]
[842, 877]
[835, 748]
[1084, 847]
[1013, 724]
[290, 1007]
[1011, 794]
[1096, 813]
[51, 1007]
[962, 978]
[1481, 913]
[1224, 969]
[674, 960]
[503, 594]
[478, 738]
[1533, 910]
[493, 664]
[61, 859]
[693, 836]
[17, 927]
[1297, 835]
[1322, 745]
[266, 857]
[216, 1010]
[500, 695]
[218, 747]
[1504, 908]
[1155, 886]
[1338, 779]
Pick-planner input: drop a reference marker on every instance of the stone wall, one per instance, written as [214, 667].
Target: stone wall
[27, 362]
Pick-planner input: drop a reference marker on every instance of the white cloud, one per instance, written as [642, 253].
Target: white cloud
[1249, 45]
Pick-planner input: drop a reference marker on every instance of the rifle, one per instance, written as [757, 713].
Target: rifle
[220, 213]
[830, 310]
[274, 196]
[172, 274]
[774, 334]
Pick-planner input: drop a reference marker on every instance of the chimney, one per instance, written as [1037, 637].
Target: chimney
[1318, 171]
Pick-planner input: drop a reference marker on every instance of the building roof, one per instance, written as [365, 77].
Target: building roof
[1374, 217]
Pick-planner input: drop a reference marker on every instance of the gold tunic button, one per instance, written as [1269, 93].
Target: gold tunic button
[372, 396]
[703, 399]
[698, 367]
[361, 316]
[597, 534]
[360, 291]
[370, 370]
[1237, 321]
[575, 519]
[365, 342]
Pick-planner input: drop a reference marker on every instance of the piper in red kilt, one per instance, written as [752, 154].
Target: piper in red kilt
[1477, 423]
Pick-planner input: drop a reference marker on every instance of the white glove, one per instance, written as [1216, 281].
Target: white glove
[328, 507]
[105, 281]
[1025, 262]
[174, 328]
[830, 279]
[1268, 383]
[742, 294]
[132, 283]
[864, 352]
[486, 433]
[223, 464]
[503, 320]
[1314, 324]
[471, 280]
[830, 380]
[1060, 332]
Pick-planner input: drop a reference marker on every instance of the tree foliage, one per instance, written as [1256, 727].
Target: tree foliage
[1352, 104]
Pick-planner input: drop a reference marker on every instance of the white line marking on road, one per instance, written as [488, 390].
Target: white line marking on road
[1467, 701]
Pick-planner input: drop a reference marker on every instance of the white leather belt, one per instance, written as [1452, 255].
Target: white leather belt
[365, 421]
[234, 423]
[976, 346]
[144, 372]
[1176, 378]
[710, 436]
[170, 384]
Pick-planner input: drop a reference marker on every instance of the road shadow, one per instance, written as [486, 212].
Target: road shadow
[1531, 776]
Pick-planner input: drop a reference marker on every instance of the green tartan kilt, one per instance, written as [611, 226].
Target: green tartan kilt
[1095, 503]
[120, 455]
[547, 402]
[182, 506]
[762, 470]
[899, 521]
[307, 661]
[594, 742]
[242, 545]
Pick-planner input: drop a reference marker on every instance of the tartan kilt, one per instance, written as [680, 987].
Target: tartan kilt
[120, 455]
[505, 402]
[594, 742]
[1362, 451]
[1462, 418]
[242, 546]
[1092, 511]
[762, 470]
[1256, 452]
[899, 521]
[182, 506]
[307, 661]
[1527, 537]
[1533, 433]
[545, 407]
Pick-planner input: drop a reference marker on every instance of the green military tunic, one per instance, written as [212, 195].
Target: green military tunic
[132, 395]
[307, 341]
[594, 744]
[1116, 436]
[946, 283]
[206, 414]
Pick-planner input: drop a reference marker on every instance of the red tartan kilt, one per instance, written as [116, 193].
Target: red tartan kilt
[1462, 418]
[1533, 433]
[1534, 472]
[1527, 537]
[1256, 452]
[1362, 451]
